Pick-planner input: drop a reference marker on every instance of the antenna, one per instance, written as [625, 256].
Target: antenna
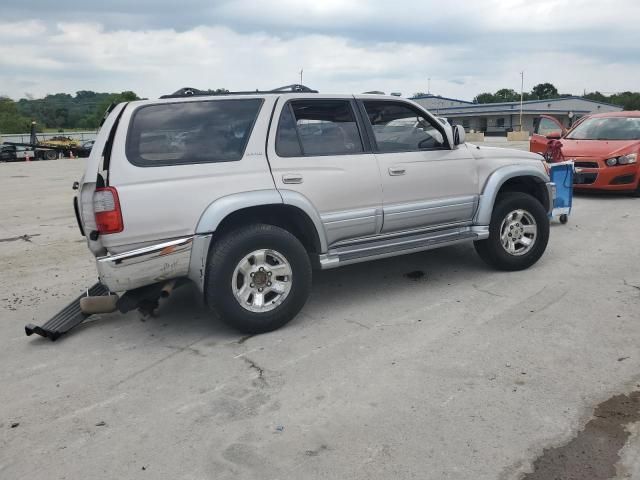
[301, 71]
[429, 85]
[521, 96]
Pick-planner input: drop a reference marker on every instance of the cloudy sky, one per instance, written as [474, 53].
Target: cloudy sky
[466, 47]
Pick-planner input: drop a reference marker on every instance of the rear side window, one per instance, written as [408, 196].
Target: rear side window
[287, 142]
[318, 127]
[191, 132]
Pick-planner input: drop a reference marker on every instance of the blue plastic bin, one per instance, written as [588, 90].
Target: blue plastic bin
[561, 174]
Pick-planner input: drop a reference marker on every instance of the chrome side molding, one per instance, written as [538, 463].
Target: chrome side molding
[390, 247]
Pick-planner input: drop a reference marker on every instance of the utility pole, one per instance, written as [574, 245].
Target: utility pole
[521, 96]
[301, 71]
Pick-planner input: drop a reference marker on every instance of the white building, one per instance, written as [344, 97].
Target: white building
[500, 118]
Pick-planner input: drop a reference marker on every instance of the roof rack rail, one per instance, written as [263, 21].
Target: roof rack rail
[194, 92]
[294, 88]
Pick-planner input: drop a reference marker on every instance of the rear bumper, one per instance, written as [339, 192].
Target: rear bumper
[145, 266]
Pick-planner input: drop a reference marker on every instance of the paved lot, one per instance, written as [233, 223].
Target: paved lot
[463, 373]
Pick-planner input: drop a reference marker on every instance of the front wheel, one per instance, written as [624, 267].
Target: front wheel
[518, 233]
[258, 278]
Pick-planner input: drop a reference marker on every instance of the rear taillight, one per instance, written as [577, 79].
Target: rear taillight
[106, 207]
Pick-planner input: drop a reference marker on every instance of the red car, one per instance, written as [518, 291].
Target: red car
[605, 148]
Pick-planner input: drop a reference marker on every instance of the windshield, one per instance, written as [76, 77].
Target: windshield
[607, 128]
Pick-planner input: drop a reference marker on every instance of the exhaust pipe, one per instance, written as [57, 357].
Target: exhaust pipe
[102, 304]
[167, 289]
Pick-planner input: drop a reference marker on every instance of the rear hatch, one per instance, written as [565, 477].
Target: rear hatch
[95, 175]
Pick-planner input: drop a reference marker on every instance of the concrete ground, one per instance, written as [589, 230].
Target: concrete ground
[459, 373]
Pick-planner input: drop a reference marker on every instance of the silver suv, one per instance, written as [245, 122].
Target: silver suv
[245, 194]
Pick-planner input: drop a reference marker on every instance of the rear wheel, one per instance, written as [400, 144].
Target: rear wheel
[50, 154]
[518, 233]
[258, 278]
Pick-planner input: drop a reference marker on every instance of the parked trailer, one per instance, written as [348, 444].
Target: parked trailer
[14, 151]
[49, 150]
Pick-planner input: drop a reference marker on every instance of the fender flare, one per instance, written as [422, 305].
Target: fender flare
[296, 199]
[494, 183]
[219, 209]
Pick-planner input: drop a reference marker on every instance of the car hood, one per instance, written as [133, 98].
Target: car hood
[597, 148]
[480, 152]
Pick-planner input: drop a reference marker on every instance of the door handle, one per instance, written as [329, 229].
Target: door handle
[292, 178]
[395, 171]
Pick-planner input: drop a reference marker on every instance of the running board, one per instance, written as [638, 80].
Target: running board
[67, 318]
[384, 248]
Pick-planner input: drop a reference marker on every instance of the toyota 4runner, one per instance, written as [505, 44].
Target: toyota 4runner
[245, 194]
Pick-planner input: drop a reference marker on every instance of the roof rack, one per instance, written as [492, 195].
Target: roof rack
[194, 92]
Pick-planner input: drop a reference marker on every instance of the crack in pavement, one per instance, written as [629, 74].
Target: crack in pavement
[355, 322]
[241, 340]
[631, 285]
[26, 237]
[487, 291]
[188, 347]
[253, 365]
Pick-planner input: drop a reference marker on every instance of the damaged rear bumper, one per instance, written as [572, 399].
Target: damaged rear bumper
[145, 266]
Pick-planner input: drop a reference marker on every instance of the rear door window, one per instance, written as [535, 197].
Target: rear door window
[318, 127]
[191, 132]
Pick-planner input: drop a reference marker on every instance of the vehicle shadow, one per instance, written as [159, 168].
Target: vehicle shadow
[359, 284]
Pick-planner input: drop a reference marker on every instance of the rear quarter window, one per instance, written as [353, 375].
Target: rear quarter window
[191, 132]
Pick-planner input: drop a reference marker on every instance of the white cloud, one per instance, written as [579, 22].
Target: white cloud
[465, 48]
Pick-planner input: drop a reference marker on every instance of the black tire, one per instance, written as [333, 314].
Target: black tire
[564, 218]
[230, 250]
[491, 249]
[50, 154]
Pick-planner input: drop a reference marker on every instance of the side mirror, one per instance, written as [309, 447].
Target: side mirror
[555, 135]
[458, 135]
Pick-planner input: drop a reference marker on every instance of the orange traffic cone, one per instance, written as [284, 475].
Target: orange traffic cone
[71, 154]
[26, 157]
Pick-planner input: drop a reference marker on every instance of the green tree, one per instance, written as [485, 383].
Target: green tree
[627, 100]
[61, 110]
[507, 95]
[542, 91]
[596, 96]
[485, 98]
[10, 119]
[93, 121]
